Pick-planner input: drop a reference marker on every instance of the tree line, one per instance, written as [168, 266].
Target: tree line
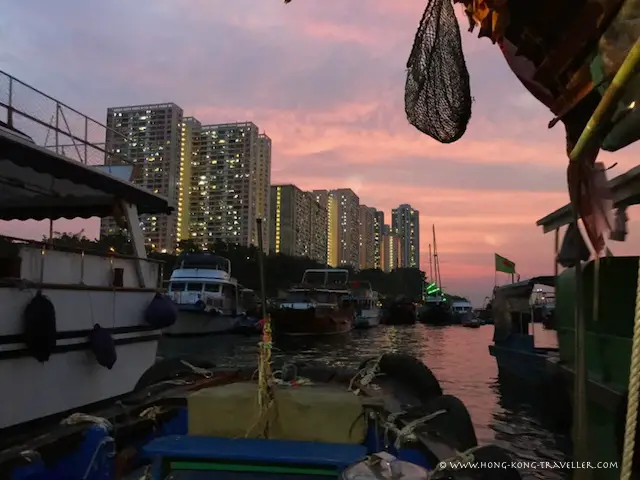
[281, 271]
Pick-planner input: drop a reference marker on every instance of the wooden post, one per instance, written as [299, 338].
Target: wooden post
[133, 226]
[263, 289]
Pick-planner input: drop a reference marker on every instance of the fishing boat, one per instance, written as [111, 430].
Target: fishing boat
[318, 306]
[485, 314]
[608, 300]
[387, 419]
[513, 339]
[436, 311]
[367, 304]
[472, 322]
[207, 296]
[250, 323]
[580, 59]
[78, 327]
[462, 312]
[401, 311]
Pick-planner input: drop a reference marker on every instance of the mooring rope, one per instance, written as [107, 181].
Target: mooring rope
[634, 391]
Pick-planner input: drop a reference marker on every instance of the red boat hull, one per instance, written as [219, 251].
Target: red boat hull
[312, 321]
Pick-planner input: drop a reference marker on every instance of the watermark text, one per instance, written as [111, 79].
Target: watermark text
[524, 465]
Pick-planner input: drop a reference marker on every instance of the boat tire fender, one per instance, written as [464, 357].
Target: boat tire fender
[161, 312]
[103, 346]
[414, 375]
[170, 369]
[40, 331]
[496, 456]
[454, 426]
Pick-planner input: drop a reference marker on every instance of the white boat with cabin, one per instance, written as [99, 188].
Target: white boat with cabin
[207, 296]
[462, 312]
[48, 361]
[367, 305]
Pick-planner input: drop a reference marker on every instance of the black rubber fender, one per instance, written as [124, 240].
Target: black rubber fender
[454, 427]
[169, 369]
[321, 373]
[501, 465]
[410, 373]
[40, 333]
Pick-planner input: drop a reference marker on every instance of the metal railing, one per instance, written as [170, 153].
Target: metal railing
[55, 125]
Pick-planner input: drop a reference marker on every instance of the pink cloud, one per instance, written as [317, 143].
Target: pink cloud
[325, 81]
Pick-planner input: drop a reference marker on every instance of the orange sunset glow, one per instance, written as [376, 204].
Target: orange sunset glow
[325, 80]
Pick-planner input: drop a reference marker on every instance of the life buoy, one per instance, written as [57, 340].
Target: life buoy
[103, 347]
[40, 331]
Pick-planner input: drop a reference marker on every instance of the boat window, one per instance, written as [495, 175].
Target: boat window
[194, 287]
[227, 291]
[298, 297]
[177, 286]
[323, 297]
[212, 287]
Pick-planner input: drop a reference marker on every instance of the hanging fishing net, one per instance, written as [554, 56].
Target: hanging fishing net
[437, 97]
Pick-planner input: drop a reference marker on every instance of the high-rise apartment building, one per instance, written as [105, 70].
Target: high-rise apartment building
[298, 223]
[151, 136]
[405, 222]
[190, 154]
[366, 242]
[343, 218]
[391, 248]
[261, 187]
[230, 184]
[378, 226]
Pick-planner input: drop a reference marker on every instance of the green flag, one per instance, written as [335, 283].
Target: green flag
[504, 265]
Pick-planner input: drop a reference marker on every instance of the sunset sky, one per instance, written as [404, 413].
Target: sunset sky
[324, 79]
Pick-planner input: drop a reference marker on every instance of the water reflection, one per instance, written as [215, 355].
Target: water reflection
[502, 413]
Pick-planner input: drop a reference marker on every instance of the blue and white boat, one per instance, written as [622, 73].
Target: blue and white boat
[207, 297]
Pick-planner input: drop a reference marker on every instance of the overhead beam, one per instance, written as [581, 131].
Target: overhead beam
[625, 189]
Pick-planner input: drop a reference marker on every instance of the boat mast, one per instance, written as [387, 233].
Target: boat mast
[430, 266]
[435, 259]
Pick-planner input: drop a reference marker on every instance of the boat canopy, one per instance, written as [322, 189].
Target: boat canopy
[38, 184]
[625, 190]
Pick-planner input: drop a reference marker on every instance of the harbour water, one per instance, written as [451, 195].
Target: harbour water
[458, 356]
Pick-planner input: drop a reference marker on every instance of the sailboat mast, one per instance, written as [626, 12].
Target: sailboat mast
[430, 266]
[435, 258]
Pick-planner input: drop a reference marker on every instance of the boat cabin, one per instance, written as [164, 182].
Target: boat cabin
[362, 296]
[86, 289]
[609, 291]
[512, 313]
[462, 310]
[319, 287]
[205, 278]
